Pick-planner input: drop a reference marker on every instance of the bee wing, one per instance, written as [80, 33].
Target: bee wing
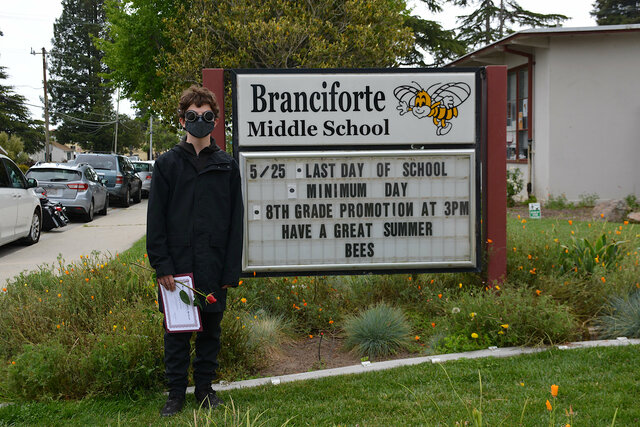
[405, 93]
[449, 94]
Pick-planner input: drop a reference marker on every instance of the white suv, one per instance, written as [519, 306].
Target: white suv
[20, 211]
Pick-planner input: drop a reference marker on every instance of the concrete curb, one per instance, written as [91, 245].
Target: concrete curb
[379, 366]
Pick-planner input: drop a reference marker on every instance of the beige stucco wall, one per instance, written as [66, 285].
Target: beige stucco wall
[587, 116]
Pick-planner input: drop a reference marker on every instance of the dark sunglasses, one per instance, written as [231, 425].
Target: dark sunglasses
[192, 116]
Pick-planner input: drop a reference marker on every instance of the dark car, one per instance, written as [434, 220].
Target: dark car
[76, 186]
[122, 182]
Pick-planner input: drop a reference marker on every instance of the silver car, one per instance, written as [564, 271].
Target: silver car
[76, 187]
[144, 170]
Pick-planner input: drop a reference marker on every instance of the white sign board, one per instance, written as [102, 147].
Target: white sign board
[306, 109]
[350, 210]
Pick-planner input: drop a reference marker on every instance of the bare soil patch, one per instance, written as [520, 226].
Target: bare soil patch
[301, 355]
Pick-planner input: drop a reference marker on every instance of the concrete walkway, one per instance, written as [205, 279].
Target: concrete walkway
[379, 366]
[115, 232]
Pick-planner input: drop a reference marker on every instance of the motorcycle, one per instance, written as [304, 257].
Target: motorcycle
[54, 215]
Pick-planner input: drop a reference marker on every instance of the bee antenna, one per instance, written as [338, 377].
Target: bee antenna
[417, 84]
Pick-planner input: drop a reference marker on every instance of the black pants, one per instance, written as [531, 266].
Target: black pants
[177, 350]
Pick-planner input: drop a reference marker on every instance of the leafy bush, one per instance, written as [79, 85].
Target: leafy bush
[623, 319]
[582, 256]
[515, 184]
[588, 200]
[559, 202]
[632, 202]
[507, 316]
[378, 331]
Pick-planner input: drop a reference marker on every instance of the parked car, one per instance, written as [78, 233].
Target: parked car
[122, 182]
[76, 186]
[20, 211]
[144, 170]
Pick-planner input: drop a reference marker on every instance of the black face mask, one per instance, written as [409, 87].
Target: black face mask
[199, 128]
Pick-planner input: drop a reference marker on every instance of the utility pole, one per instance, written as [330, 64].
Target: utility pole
[150, 137]
[115, 149]
[47, 143]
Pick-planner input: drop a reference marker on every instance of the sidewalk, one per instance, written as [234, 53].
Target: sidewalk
[116, 232]
[379, 366]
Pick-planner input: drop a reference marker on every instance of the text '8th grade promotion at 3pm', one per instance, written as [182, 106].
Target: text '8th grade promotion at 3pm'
[356, 171]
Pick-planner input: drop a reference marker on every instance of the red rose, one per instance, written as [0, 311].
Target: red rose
[211, 299]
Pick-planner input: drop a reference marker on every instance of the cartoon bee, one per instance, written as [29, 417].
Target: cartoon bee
[439, 101]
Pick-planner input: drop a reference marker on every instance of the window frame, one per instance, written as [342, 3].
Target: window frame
[515, 71]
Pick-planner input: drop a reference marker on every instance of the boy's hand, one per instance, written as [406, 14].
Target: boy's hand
[168, 282]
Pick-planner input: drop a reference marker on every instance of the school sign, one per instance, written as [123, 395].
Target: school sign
[356, 171]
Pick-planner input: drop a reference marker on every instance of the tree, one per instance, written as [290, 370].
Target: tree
[616, 12]
[15, 118]
[158, 47]
[490, 21]
[80, 95]
[14, 147]
[280, 34]
[134, 45]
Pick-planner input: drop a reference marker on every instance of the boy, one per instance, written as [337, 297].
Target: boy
[194, 225]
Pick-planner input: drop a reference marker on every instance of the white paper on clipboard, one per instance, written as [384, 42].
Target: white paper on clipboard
[180, 317]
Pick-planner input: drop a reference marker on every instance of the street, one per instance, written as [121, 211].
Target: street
[115, 232]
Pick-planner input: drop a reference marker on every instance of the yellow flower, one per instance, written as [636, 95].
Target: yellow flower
[472, 314]
[474, 335]
[548, 405]
[506, 326]
[243, 300]
[497, 287]
[554, 390]
[459, 285]
[522, 384]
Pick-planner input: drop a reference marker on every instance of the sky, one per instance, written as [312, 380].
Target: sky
[28, 24]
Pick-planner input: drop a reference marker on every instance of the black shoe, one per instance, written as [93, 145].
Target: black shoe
[174, 404]
[207, 398]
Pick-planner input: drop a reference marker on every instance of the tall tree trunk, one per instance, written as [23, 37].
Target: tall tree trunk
[501, 20]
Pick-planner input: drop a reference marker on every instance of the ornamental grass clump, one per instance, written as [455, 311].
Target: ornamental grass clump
[623, 319]
[268, 331]
[378, 331]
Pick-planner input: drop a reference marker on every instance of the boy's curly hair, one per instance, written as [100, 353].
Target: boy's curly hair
[200, 96]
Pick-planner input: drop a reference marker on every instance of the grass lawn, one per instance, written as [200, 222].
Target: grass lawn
[593, 382]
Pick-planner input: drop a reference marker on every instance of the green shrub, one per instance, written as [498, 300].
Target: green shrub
[559, 202]
[588, 200]
[582, 256]
[515, 184]
[378, 331]
[507, 316]
[623, 319]
[632, 202]
[239, 355]
[267, 331]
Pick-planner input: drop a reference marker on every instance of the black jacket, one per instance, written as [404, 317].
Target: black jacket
[194, 221]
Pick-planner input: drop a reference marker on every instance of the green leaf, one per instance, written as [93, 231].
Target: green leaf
[185, 298]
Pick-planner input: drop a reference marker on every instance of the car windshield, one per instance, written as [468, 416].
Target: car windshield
[98, 162]
[142, 167]
[53, 174]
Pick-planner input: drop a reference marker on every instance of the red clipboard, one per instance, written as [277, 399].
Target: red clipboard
[188, 319]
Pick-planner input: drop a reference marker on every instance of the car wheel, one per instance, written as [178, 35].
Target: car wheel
[88, 217]
[34, 232]
[103, 211]
[127, 199]
[138, 196]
